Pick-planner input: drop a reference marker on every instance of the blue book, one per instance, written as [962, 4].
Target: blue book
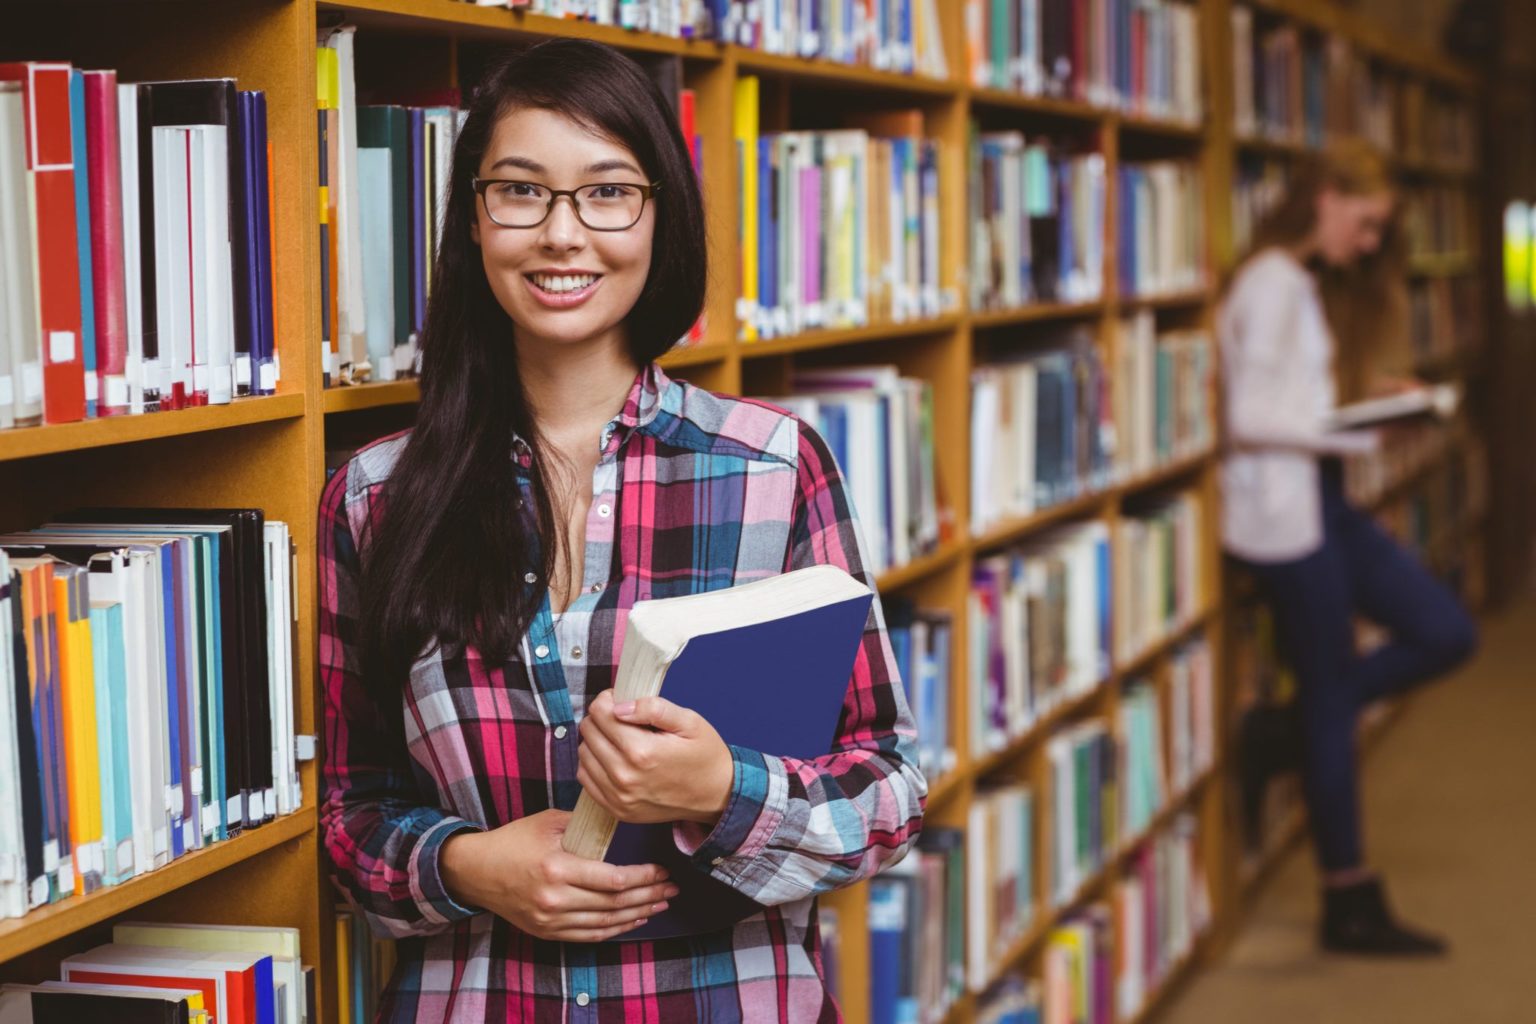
[83, 238]
[767, 664]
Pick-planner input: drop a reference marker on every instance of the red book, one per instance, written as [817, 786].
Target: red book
[1139, 59]
[107, 272]
[54, 245]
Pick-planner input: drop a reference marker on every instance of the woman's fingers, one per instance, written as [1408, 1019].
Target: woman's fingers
[574, 900]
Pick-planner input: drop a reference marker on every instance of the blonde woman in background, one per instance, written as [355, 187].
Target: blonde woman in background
[1314, 316]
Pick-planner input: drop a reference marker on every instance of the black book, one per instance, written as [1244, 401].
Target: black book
[31, 781]
[62, 1003]
[247, 703]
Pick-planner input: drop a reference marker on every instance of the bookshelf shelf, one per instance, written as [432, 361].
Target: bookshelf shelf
[946, 555]
[1040, 729]
[30, 442]
[371, 396]
[1037, 313]
[1454, 265]
[826, 72]
[57, 920]
[1144, 658]
[1160, 127]
[1010, 532]
[1171, 300]
[844, 337]
[1262, 145]
[456, 17]
[697, 355]
[1000, 99]
[1162, 475]
[947, 788]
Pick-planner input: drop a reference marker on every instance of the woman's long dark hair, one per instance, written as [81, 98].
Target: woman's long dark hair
[447, 560]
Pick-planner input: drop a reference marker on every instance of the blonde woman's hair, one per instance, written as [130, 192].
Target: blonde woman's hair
[1366, 303]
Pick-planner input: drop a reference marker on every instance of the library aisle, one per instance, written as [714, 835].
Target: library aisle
[1452, 823]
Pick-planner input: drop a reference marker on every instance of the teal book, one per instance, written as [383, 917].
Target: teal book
[374, 212]
[111, 680]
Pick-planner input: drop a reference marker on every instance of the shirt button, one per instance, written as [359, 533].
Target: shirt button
[559, 732]
[576, 651]
[541, 651]
[605, 510]
[596, 587]
[530, 578]
[582, 999]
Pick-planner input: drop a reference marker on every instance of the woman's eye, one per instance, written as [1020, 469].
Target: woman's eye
[612, 192]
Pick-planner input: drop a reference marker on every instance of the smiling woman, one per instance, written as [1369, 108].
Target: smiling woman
[477, 570]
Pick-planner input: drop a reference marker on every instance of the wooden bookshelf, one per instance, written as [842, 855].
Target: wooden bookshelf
[276, 456]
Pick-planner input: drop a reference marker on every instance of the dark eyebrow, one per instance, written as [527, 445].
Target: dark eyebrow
[534, 167]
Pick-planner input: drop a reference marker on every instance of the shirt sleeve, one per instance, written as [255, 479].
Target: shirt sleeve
[382, 836]
[1268, 394]
[795, 827]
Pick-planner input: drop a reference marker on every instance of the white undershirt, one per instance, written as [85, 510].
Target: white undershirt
[1277, 360]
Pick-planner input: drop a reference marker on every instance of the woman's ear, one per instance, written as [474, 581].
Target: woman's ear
[474, 230]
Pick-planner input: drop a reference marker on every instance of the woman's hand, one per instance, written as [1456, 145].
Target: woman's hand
[651, 761]
[519, 872]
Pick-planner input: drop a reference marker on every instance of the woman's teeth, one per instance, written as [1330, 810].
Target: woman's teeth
[559, 283]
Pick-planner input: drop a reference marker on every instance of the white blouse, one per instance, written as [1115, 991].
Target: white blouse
[1277, 359]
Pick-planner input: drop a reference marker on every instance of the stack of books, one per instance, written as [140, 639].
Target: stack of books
[1042, 431]
[1036, 216]
[1164, 389]
[1162, 906]
[1000, 832]
[1162, 229]
[1039, 629]
[135, 245]
[879, 426]
[147, 706]
[1140, 56]
[922, 642]
[1160, 563]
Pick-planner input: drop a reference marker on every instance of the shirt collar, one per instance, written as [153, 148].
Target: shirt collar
[639, 412]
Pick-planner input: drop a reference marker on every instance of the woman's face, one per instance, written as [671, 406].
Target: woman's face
[561, 282]
[1350, 227]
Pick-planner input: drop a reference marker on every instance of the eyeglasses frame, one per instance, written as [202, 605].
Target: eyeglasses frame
[647, 192]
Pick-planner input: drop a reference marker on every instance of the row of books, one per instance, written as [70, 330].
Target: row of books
[135, 244]
[879, 426]
[677, 19]
[146, 693]
[1413, 448]
[364, 963]
[1294, 86]
[838, 228]
[1438, 222]
[1041, 430]
[1141, 56]
[1191, 714]
[1079, 802]
[1445, 317]
[1000, 908]
[1162, 905]
[1036, 216]
[1104, 962]
[922, 641]
[1162, 229]
[903, 36]
[1160, 571]
[917, 932]
[1258, 187]
[1164, 396]
[154, 973]
[1039, 619]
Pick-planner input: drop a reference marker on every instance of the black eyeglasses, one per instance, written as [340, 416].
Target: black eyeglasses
[607, 206]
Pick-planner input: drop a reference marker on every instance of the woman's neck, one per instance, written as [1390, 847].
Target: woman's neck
[575, 389]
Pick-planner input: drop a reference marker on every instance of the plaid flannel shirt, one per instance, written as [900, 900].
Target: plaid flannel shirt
[693, 492]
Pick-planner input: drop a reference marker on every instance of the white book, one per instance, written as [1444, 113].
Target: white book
[280, 665]
[212, 183]
[21, 394]
[1440, 400]
[375, 210]
[347, 232]
[173, 294]
[128, 147]
[281, 944]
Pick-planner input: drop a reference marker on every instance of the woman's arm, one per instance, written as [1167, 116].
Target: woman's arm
[792, 827]
[1267, 399]
[382, 836]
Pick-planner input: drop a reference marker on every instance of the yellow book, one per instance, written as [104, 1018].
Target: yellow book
[745, 121]
[77, 703]
[344, 968]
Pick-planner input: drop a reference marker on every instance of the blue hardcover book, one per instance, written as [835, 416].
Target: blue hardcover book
[767, 664]
[887, 930]
[83, 238]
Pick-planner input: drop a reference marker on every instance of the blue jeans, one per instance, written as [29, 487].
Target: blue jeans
[1359, 569]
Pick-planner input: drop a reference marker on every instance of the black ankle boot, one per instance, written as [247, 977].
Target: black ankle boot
[1356, 920]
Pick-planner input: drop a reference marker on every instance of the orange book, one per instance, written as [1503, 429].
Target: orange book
[77, 702]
